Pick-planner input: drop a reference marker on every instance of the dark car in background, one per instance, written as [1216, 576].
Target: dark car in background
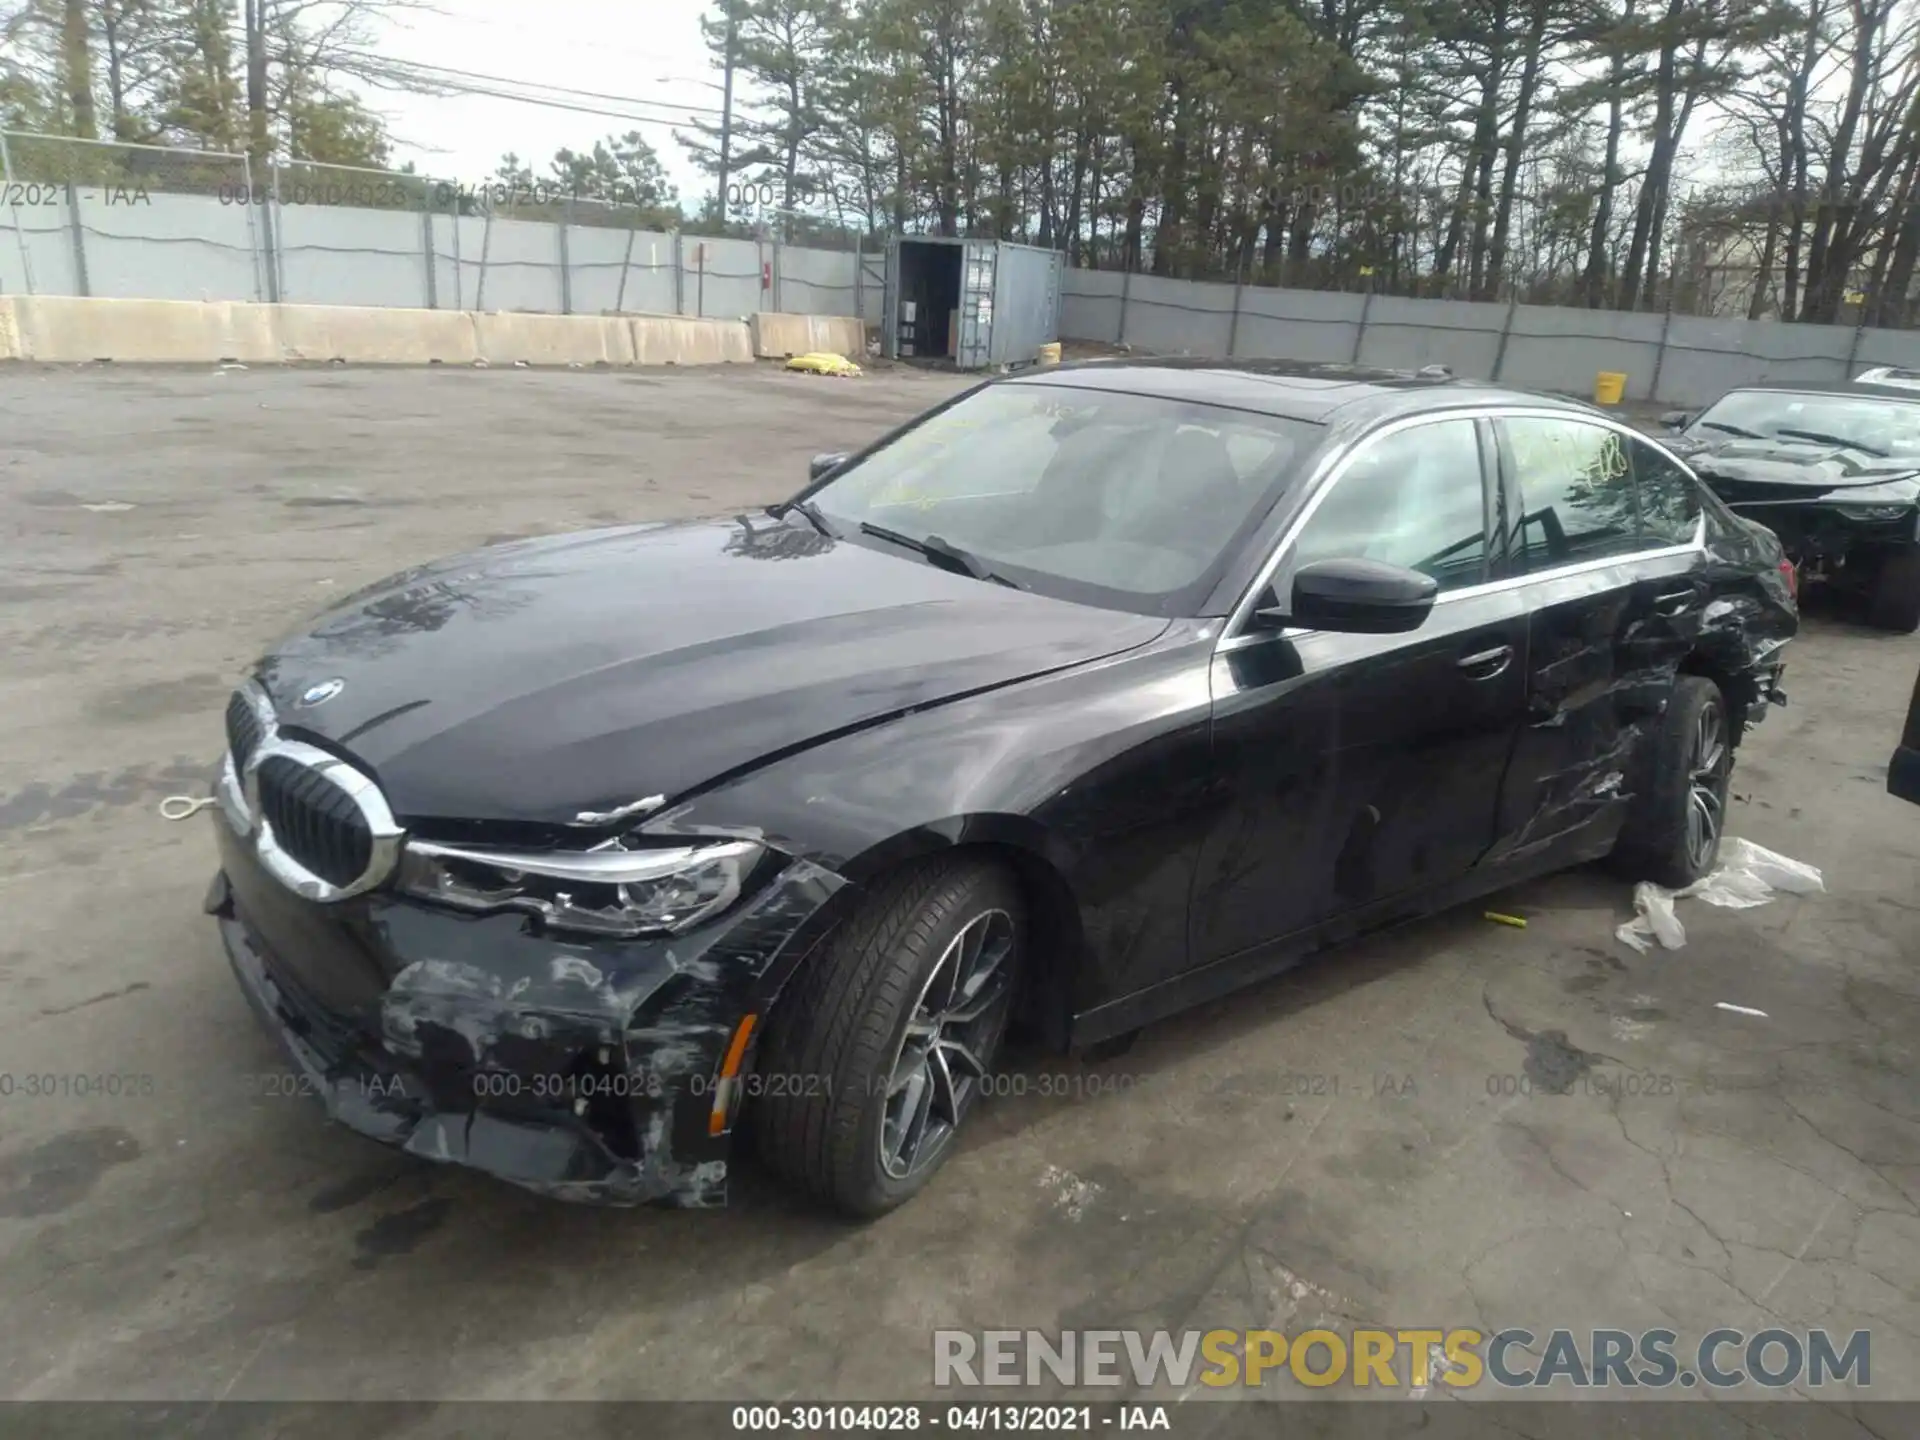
[1903, 774]
[1897, 376]
[1834, 471]
[1091, 695]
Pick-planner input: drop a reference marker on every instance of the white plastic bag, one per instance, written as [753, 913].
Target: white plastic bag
[1758, 864]
[1653, 919]
[1748, 875]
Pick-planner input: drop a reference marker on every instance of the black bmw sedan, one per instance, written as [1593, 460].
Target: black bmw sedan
[1091, 695]
[1834, 470]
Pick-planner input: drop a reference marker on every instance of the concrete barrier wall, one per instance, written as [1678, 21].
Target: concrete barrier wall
[371, 335]
[65, 329]
[553, 339]
[1677, 360]
[61, 328]
[679, 340]
[777, 335]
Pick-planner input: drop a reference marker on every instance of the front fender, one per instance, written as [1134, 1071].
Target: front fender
[1097, 778]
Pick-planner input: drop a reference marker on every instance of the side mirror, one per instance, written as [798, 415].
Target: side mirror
[1677, 419]
[1356, 597]
[821, 466]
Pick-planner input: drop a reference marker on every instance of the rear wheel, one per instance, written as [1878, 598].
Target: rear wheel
[1894, 603]
[875, 1061]
[1672, 837]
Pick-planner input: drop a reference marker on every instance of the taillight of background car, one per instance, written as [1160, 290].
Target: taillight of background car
[1791, 576]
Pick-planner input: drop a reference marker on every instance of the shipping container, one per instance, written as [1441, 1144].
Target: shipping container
[978, 303]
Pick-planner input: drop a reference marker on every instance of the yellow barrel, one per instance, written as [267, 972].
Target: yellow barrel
[1609, 386]
[1050, 354]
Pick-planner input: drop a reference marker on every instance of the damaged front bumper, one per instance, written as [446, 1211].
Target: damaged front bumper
[582, 1071]
[1768, 693]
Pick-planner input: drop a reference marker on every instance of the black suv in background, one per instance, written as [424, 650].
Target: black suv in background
[1833, 470]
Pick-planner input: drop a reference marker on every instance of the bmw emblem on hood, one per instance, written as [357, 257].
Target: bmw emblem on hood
[321, 693]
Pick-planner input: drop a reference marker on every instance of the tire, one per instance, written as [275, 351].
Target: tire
[1894, 603]
[1672, 835]
[875, 1044]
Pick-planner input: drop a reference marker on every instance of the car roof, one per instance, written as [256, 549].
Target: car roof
[1293, 389]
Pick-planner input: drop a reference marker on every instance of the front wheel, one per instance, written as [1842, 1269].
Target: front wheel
[1672, 835]
[1894, 603]
[877, 1058]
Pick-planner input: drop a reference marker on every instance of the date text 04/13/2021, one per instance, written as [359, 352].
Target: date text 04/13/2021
[963, 1418]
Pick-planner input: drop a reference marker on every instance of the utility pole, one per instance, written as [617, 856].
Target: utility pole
[726, 108]
[259, 144]
[255, 21]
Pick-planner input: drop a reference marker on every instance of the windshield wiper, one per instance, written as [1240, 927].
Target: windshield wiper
[1825, 439]
[1731, 429]
[806, 508]
[950, 557]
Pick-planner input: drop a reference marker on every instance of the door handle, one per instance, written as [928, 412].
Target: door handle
[1485, 664]
[1674, 602]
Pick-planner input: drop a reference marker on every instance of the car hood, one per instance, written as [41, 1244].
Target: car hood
[1786, 469]
[538, 680]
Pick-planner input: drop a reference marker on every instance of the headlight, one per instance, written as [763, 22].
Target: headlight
[1873, 512]
[604, 891]
[1877, 502]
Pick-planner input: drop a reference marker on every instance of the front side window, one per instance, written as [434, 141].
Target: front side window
[1109, 498]
[1413, 498]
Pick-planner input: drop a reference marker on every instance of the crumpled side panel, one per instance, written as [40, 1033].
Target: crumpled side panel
[1597, 681]
[1604, 657]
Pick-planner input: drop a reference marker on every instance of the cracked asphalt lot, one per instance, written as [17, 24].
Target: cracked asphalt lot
[1372, 1139]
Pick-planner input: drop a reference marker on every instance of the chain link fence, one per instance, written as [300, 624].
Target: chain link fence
[83, 217]
[94, 218]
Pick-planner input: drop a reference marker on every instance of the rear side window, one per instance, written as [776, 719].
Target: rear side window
[1576, 492]
[1669, 496]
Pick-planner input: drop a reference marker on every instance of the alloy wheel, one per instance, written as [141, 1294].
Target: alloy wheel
[1706, 785]
[937, 1071]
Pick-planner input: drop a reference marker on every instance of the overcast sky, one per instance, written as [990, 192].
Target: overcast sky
[647, 50]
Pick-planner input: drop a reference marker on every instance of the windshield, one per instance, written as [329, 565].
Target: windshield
[1875, 426]
[1128, 501]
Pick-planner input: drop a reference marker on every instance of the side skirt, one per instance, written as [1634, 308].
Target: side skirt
[1261, 962]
